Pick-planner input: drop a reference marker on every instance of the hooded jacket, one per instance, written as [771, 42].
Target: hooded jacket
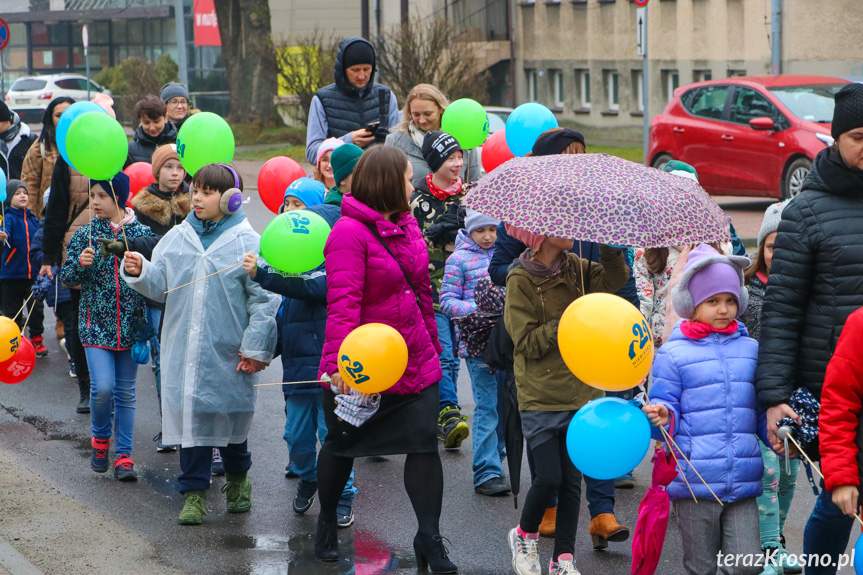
[160, 211]
[816, 280]
[36, 171]
[14, 145]
[366, 285]
[67, 210]
[20, 259]
[143, 145]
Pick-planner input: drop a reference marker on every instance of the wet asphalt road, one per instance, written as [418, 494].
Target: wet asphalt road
[38, 424]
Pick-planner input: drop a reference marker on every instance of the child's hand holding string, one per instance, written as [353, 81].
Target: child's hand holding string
[249, 365]
[132, 264]
[250, 264]
[87, 256]
[657, 414]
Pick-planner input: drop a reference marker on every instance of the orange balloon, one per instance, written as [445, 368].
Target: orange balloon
[10, 338]
[373, 358]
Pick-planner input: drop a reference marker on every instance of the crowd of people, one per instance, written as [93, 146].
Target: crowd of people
[150, 277]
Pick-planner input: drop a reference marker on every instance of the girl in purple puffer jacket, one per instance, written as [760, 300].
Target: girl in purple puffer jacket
[703, 393]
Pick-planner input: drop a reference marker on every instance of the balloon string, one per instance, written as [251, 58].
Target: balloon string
[90, 208]
[29, 314]
[205, 277]
[123, 213]
[23, 306]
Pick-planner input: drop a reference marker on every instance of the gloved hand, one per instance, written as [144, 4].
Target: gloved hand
[444, 231]
[111, 248]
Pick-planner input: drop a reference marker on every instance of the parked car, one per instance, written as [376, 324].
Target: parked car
[750, 135]
[30, 95]
[497, 117]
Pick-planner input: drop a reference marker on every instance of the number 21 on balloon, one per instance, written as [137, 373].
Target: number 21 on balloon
[354, 371]
[643, 337]
[300, 223]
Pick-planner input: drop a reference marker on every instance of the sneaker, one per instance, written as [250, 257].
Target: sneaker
[345, 514]
[525, 556]
[99, 457]
[452, 427]
[785, 563]
[124, 468]
[72, 371]
[64, 348]
[565, 565]
[305, 497]
[161, 447]
[494, 487]
[194, 509]
[289, 471]
[218, 467]
[238, 490]
[39, 346]
[625, 482]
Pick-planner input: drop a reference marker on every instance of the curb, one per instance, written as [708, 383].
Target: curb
[15, 563]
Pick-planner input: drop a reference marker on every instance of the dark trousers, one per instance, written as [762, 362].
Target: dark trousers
[598, 492]
[14, 293]
[65, 311]
[73, 338]
[196, 464]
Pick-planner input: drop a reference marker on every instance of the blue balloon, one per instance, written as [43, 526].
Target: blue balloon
[2, 186]
[66, 120]
[608, 438]
[524, 126]
[858, 556]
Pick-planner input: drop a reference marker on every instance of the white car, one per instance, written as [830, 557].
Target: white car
[30, 95]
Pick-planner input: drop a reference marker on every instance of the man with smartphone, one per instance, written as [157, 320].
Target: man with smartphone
[353, 108]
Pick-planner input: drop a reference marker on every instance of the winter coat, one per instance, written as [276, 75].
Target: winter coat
[841, 417]
[653, 291]
[107, 303]
[20, 260]
[403, 141]
[752, 316]
[143, 145]
[464, 268]
[534, 306]
[58, 293]
[428, 211]
[303, 319]
[365, 284]
[816, 280]
[67, 210]
[14, 145]
[708, 387]
[36, 172]
[206, 401]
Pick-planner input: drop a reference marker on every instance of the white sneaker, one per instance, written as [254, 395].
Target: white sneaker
[565, 565]
[525, 556]
[63, 347]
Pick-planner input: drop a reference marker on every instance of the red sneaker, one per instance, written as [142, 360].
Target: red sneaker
[41, 350]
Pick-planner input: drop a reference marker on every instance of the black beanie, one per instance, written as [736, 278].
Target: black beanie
[12, 187]
[359, 52]
[5, 113]
[556, 142]
[848, 113]
[437, 147]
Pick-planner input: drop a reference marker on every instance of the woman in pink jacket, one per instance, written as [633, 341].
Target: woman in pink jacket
[377, 272]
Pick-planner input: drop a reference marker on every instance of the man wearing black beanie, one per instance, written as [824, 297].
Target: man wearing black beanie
[353, 108]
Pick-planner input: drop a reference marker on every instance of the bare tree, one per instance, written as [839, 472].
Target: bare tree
[305, 66]
[428, 51]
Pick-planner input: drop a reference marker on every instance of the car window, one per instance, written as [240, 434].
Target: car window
[93, 86]
[749, 104]
[811, 103]
[68, 84]
[28, 84]
[708, 102]
[495, 122]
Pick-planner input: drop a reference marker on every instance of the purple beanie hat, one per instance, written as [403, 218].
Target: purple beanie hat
[706, 274]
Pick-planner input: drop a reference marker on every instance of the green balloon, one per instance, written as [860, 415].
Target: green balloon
[97, 145]
[205, 138]
[294, 241]
[466, 121]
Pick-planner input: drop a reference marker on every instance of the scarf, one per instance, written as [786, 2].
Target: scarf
[128, 218]
[416, 134]
[835, 174]
[699, 330]
[440, 193]
[762, 276]
[537, 268]
[10, 138]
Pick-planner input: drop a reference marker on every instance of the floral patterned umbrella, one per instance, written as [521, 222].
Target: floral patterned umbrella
[600, 198]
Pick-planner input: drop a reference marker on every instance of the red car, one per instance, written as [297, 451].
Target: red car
[747, 136]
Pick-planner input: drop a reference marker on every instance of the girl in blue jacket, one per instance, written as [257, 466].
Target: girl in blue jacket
[703, 393]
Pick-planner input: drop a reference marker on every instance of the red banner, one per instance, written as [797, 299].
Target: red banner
[206, 24]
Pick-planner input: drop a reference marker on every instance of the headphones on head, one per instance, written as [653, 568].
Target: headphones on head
[232, 199]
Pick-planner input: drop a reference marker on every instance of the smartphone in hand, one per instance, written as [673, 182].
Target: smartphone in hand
[372, 126]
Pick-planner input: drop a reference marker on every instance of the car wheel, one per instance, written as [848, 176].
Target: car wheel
[661, 160]
[796, 173]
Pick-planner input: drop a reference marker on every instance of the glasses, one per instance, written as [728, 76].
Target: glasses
[178, 102]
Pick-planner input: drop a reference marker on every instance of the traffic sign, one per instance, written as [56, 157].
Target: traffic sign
[641, 30]
[85, 36]
[640, 3]
[4, 33]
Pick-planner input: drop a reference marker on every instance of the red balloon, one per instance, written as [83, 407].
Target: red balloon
[140, 176]
[495, 151]
[19, 367]
[274, 178]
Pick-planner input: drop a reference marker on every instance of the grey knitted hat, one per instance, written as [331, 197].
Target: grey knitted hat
[772, 217]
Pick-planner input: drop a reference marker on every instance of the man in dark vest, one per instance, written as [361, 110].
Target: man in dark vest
[353, 104]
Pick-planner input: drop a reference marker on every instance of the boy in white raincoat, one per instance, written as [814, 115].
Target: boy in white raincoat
[217, 334]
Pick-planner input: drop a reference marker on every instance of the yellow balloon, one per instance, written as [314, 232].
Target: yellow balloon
[373, 357]
[10, 337]
[605, 342]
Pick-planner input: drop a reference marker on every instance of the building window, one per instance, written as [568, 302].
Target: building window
[702, 75]
[531, 86]
[671, 81]
[557, 87]
[582, 82]
[638, 89]
[735, 73]
[612, 84]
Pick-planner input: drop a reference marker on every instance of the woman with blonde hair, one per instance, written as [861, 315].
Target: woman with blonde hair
[423, 111]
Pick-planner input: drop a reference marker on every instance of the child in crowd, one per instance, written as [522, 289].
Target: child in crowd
[20, 263]
[153, 131]
[703, 394]
[217, 333]
[323, 167]
[343, 160]
[780, 476]
[474, 248]
[538, 291]
[436, 204]
[302, 320]
[105, 321]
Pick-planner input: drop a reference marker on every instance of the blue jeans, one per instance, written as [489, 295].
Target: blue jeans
[449, 362]
[112, 382]
[486, 451]
[304, 427]
[196, 464]
[827, 532]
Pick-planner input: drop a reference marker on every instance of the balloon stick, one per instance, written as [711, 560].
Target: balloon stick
[205, 277]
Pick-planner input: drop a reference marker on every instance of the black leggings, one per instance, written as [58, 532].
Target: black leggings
[14, 293]
[423, 482]
[74, 339]
[554, 472]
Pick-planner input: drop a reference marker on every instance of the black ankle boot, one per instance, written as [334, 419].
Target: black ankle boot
[431, 553]
[327, 541]
[84, 399]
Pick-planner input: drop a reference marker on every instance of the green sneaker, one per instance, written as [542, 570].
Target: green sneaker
[195, 508]
[452, 427]
[239, 492]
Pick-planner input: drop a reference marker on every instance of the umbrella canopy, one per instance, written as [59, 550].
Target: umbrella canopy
[600, 198]
[652, 520]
